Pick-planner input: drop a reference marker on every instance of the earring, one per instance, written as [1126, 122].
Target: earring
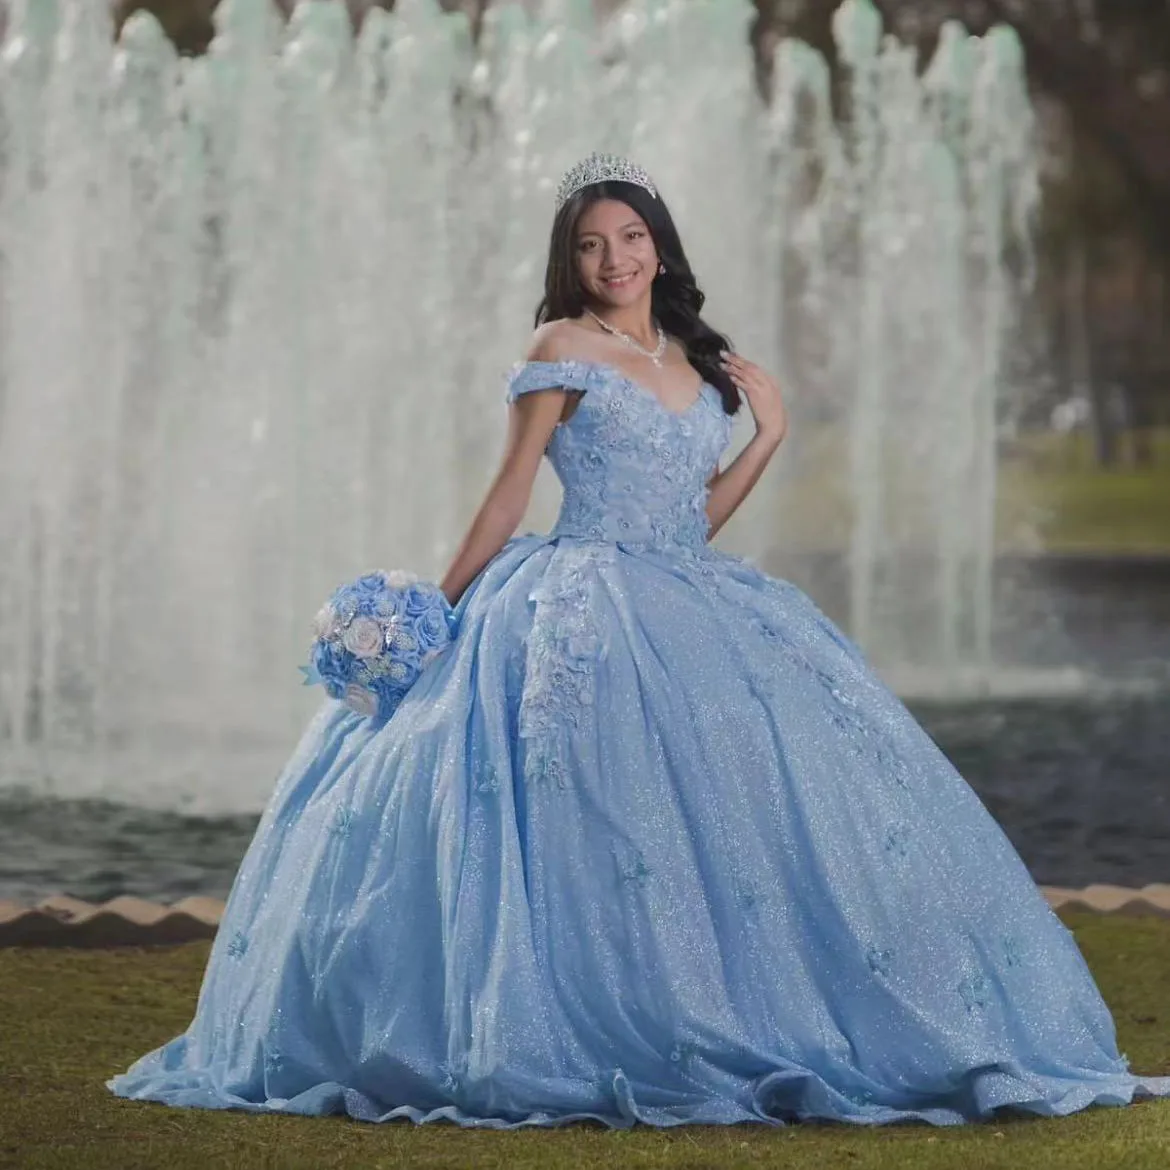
[661, 269]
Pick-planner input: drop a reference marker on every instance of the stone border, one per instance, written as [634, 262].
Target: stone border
[62, 921]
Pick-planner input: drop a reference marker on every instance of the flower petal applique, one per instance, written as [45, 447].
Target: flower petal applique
[488, 783]
[632, 868]
[747, 894]
[343, 821]
[1013, 953]
[544, 764]
[682, 1054]
[452, 1073]
[562, 648]
[973, 990]
[897, 840]
[879, 959]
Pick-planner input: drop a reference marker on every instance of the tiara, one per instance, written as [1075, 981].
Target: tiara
[601, 168]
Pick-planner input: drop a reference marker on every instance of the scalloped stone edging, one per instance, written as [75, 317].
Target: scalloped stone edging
[62, 921]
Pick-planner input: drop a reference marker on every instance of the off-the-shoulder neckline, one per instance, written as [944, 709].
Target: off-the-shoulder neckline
[630, 381]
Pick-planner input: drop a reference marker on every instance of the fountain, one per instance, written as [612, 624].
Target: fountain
[256, 308]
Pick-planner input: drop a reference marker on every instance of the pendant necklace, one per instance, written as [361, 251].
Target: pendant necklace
[655, 354]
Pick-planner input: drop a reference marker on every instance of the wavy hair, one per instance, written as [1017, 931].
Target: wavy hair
[675, 296]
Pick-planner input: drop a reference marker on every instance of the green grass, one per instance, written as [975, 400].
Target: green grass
[1051, 497]
[72, 1018]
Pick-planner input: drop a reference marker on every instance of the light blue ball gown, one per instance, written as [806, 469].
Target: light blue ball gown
[650, 842]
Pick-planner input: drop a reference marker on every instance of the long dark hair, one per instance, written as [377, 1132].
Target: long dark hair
[675, 297]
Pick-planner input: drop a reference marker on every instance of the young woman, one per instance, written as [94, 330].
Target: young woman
[649, 842]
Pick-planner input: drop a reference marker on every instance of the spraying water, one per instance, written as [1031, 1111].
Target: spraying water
[256, 308]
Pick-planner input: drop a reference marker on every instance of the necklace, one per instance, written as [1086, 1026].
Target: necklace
[655, 354]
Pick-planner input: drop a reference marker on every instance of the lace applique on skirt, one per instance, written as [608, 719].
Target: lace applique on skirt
[561, 650]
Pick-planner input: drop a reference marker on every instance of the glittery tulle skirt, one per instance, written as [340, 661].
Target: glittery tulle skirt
[649, 842]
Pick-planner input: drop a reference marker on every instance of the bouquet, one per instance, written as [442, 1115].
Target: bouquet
[373, 637]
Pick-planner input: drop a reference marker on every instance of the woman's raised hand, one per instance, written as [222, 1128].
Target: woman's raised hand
[762, 393]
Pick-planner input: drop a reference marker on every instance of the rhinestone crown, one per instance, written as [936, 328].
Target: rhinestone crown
[601, 168]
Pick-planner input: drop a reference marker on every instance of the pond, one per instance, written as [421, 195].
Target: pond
[1070, 752]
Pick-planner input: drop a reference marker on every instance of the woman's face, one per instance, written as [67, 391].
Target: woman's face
[616, 258]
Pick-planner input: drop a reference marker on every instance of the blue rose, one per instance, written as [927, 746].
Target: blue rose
[431, 628]
[418, 601]
[332, 661]
[371, 583]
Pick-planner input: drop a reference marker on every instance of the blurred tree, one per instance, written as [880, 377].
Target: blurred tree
[1100, 71]
[1107, 62]
[1104, 66]
[187, 22]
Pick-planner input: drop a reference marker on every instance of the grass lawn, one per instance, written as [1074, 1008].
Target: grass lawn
[1051, 493]
[71, 1018]
[1051, 497]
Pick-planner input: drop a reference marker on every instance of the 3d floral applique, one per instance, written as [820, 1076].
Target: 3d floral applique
[561, 651]
[682, 1054]
[771, 635]
[632, 867]
[845, 711]
[544, 765]
[891, 764]
[343, 822]
[488, 783]
[837, 692]
[879, 959]
[273, 1060]
[560, 647]
[452, 1073]
[238, 947]
[897, 840]
[747, 895]
[974, 991]
[585, 506]
[1013, 954]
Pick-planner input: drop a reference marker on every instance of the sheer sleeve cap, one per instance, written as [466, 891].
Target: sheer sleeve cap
[525, 377]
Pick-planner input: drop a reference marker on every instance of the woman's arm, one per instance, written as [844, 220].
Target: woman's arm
[531, 419]
[728, 489]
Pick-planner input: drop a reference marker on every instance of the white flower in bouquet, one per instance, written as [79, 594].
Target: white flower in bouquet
[325, 624]
[363, 638]
[400, 578]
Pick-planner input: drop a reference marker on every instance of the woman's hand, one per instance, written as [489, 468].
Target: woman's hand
[762, 394]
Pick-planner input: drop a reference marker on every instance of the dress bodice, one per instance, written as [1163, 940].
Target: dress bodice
[632, 470]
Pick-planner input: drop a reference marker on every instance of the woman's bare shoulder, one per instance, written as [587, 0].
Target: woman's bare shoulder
[559, 341]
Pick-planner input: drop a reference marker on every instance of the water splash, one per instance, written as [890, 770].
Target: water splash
[256, 307]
